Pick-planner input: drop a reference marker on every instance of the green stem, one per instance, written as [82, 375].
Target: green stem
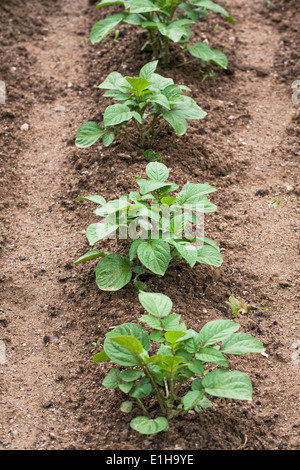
[159, 396]
[187, 62]
[153, 44]
[151, 129]
[141, 405]
[175, 262]
[140, 128]
[166, 51]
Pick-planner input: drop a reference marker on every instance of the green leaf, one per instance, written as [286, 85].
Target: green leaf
[176, 120]
[171, 322]
[192, 193]
[105, 3]
[212, 355]
[190, 13]
[197, 367]
[88, 133]
[188, 109]
[101, 356]
[129, 342]
[157, 336]
[112, 379]
[152, 156]
[157, 171]
[116, 114]
[176, 30]
[160, 99]
[171, 362]
[148, 70]
[155, 256]
[197, 384]
[125, 387]
[159, 305]
[173, 93]
[203, 403]
[120, 353]
[130, 375]
[97, 199]
[241, 343]
[113, 206]
[98, 231]
[133, 18]
[142, 6]
[90, 255]
[219, 58]
[126, 406]
[209, 241]
[191, 399]
[228, 384]
[188, 252]
[209, 255]
[144, 425]
[153, 322]
[134, 246]
[159, 83]
[147, 186]
[141, 391]
[168, 200]
[103, 27]
[201, 51]
[209, 5]
[139, 285]
[131, 329]
[113, 272]
[138, 84]
[108, 139]
[216, 330]
[114, 81]
[173, 336]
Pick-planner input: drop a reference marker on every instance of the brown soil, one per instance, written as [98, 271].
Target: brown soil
[51, 311]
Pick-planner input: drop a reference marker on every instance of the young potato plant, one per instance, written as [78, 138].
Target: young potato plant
[178, 365]
[158, 226]
[166, 21]
[148, 101]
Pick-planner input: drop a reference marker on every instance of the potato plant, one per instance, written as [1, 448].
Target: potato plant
[166, 21]
[148, 101]
[158, 226]
[178, 365]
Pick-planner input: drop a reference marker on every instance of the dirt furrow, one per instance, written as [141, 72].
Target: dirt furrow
[32, 263]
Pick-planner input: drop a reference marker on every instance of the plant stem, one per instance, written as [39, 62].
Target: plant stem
[187, 62]
[175, 262]
[166, 51]
[153, 44]
[141, 405]
[159, 396]
[128, 135]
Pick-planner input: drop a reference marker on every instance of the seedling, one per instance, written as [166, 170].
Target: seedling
[238, 306]
[158, 226]
[171, 359]
[149, 101]
[274, 203]
[95, 344]
[166, 21]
